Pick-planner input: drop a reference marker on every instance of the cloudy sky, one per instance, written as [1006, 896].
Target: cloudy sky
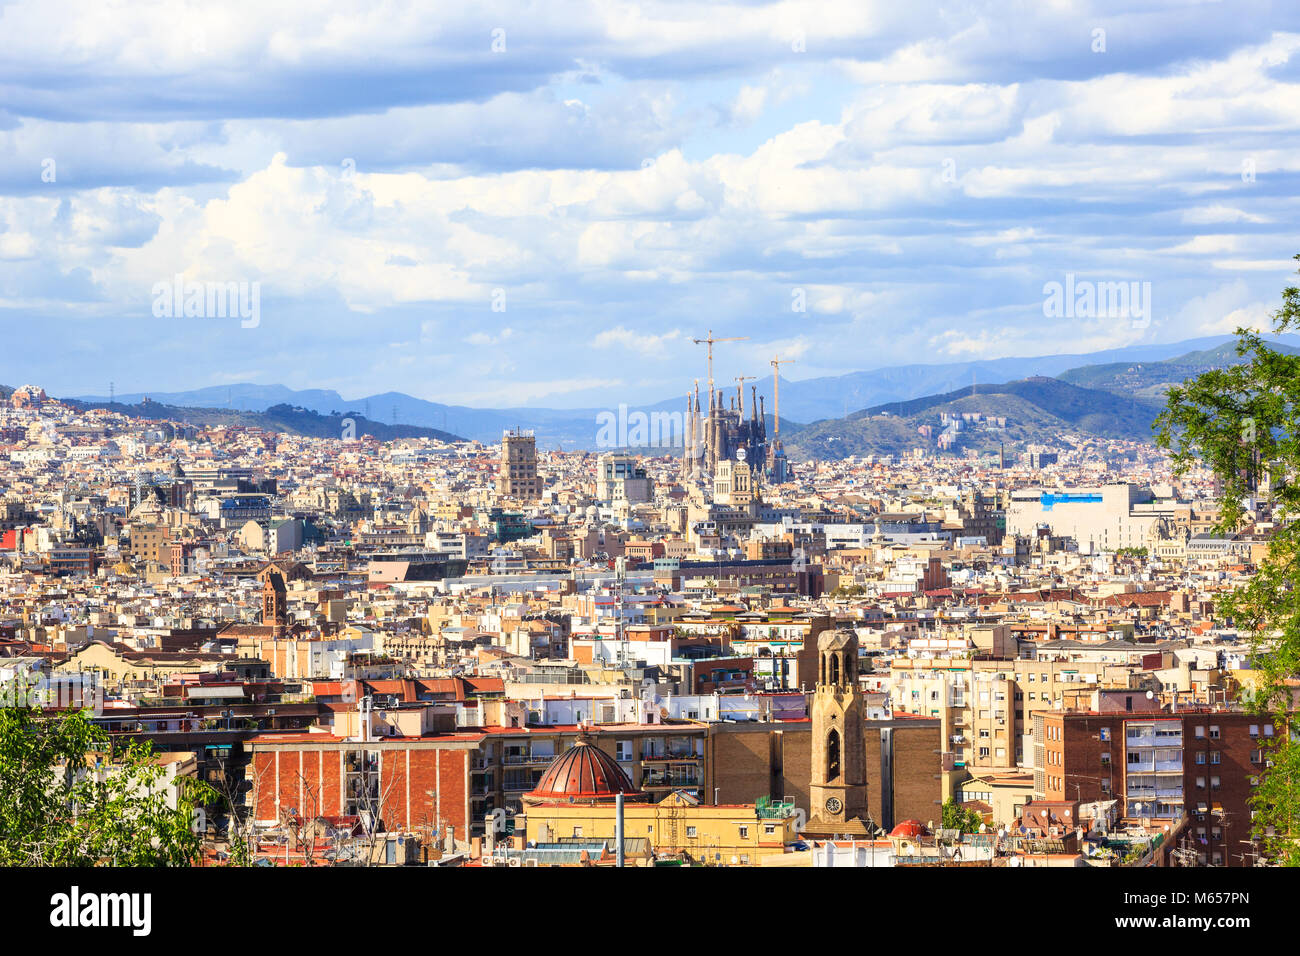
[543, 203]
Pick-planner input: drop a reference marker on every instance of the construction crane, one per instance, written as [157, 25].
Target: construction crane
[709, 341]
[740, 390]
[777, 362]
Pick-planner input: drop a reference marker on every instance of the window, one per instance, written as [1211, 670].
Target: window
[1200, 783]
[1214, 756]
[744, 833]
[1105, 734]
[1268, 730]
[690, 833]
[577, 831]
[769, 828]
[1214, 783]
[1200, 733]
[1254, 730]
[1214, 733]
[1200, 757]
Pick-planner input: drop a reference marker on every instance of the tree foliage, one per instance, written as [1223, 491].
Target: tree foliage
[956, 817]
[1243, 423]
[68, 798]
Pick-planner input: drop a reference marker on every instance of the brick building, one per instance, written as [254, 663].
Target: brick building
[903, 763]
[458, 778]
[1160, 766]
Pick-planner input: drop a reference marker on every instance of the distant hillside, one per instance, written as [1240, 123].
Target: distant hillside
[1150, 380]
[291, 419]
[1038, 410]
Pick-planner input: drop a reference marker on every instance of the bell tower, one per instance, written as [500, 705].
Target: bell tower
[838, 788]
[274, 612]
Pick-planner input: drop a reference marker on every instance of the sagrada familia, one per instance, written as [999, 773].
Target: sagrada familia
[727, 434]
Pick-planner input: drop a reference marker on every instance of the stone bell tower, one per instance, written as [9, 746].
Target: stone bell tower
[274, 610]
[838, 788]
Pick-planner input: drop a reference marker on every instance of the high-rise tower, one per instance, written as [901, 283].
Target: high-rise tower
[518, 475]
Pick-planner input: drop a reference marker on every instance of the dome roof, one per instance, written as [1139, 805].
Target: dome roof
[583, 774]
[910, 829]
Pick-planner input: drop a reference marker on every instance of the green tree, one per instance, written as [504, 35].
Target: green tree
[68, 798]
[956, 817]
[1243, 423]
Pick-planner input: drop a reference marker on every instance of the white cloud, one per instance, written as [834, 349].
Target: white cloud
[644, 343]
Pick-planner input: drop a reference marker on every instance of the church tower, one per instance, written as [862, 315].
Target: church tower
[838, 789]
[274, 610]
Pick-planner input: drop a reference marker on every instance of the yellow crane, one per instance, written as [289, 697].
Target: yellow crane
[709, 341]
[777, 362]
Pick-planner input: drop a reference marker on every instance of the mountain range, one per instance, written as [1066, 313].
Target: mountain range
[1112, 393]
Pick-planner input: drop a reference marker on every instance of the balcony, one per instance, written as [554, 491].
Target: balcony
[670, 757]
[518, 760]
[656, 778]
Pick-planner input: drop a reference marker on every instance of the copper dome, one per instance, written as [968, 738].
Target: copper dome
[583, 774]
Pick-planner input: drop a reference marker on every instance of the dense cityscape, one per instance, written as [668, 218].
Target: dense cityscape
[458, 654]
[623, 436]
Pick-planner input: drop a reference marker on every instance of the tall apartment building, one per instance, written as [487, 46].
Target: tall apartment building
[620, 478]
[986, 708]
[150, 543]
[518, 475]
[1160, 766]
